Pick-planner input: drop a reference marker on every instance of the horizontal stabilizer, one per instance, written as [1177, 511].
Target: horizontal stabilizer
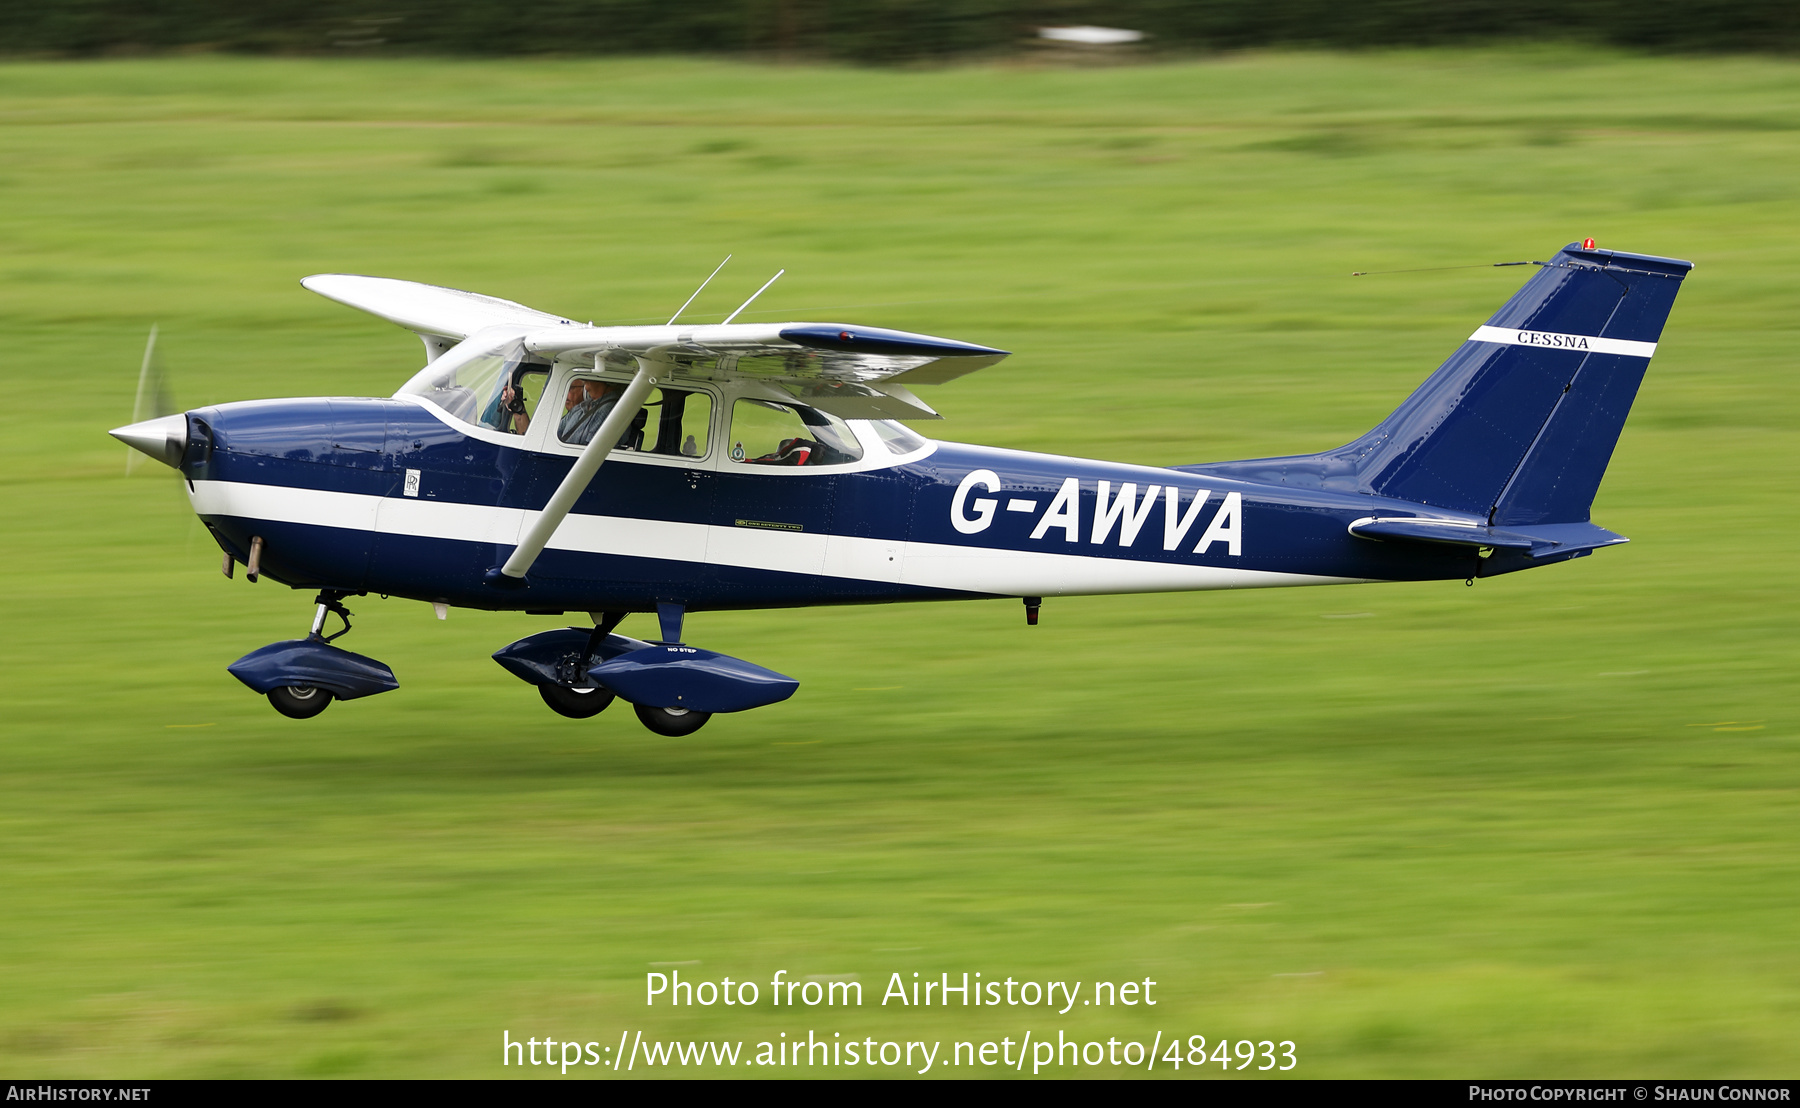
[1559, 539]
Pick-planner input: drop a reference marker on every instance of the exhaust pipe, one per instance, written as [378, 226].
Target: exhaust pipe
[164, 438]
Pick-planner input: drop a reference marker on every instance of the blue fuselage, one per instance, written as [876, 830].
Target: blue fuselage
[386, 496]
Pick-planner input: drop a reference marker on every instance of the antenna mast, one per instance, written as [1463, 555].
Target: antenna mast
[690, 300]
[754, 295]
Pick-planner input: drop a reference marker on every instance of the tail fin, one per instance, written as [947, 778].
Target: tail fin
[1519, 424]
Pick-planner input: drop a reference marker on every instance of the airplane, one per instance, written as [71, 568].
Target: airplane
[541, 465]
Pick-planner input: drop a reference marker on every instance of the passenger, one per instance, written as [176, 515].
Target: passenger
[585, 409]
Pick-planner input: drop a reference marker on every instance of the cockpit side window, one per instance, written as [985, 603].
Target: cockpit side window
[484, 380]
[767, 433]
[513, 404]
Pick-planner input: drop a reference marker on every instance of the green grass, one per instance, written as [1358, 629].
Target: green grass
[1544, 826]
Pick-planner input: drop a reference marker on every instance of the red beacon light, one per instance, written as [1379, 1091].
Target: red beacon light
[1587, 244]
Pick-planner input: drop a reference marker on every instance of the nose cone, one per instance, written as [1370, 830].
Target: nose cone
[164, 439]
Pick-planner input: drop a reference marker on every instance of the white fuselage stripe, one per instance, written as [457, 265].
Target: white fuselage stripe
[1555, 340]
[927, 565]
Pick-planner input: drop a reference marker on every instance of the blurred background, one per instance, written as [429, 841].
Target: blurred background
[1538, 827]
[882, 31]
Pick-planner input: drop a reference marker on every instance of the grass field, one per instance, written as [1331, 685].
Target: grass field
[1544, 826]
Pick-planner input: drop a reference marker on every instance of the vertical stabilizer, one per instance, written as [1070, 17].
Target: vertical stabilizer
[1519, 424]
[1521, 421]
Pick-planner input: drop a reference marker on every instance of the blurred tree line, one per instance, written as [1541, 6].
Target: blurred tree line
[868, 31]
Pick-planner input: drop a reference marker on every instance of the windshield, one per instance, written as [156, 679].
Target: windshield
[474, 381]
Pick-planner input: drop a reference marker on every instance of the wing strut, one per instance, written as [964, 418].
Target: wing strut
[548, 520]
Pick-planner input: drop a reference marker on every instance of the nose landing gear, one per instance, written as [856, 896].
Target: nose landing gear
[301, 677]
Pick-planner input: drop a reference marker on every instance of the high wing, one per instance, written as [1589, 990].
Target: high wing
[432, 310]
[851, 371]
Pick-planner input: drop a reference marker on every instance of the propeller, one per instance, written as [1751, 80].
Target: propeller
[157, 428]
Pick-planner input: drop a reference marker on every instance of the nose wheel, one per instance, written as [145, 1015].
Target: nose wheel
[671, 722]
[299, 701]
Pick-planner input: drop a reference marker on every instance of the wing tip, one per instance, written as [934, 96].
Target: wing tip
[880, 340]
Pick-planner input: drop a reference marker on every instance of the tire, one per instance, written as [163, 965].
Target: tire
[299, 701]
[575, 703]
[671, 722]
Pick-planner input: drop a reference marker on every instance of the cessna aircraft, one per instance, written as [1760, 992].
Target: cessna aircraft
[538, 464]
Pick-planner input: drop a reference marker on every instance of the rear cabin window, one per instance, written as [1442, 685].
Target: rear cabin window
[766, 433]
[674, 422]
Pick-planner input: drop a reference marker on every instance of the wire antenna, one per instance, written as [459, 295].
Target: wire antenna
[690, 300]
[754, 295]
[1439, 268]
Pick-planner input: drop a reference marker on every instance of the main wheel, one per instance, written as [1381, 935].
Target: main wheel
[575, 703]
[299, 701]
[673, 722]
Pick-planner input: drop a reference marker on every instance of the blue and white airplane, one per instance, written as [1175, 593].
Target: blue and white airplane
[541, 465]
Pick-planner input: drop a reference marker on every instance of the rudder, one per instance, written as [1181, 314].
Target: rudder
[1558, 477]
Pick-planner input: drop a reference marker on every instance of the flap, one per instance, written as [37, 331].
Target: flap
[849, 400]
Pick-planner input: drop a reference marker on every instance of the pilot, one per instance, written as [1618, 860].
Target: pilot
[516, 419]
[585, 409]
[506, 411]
